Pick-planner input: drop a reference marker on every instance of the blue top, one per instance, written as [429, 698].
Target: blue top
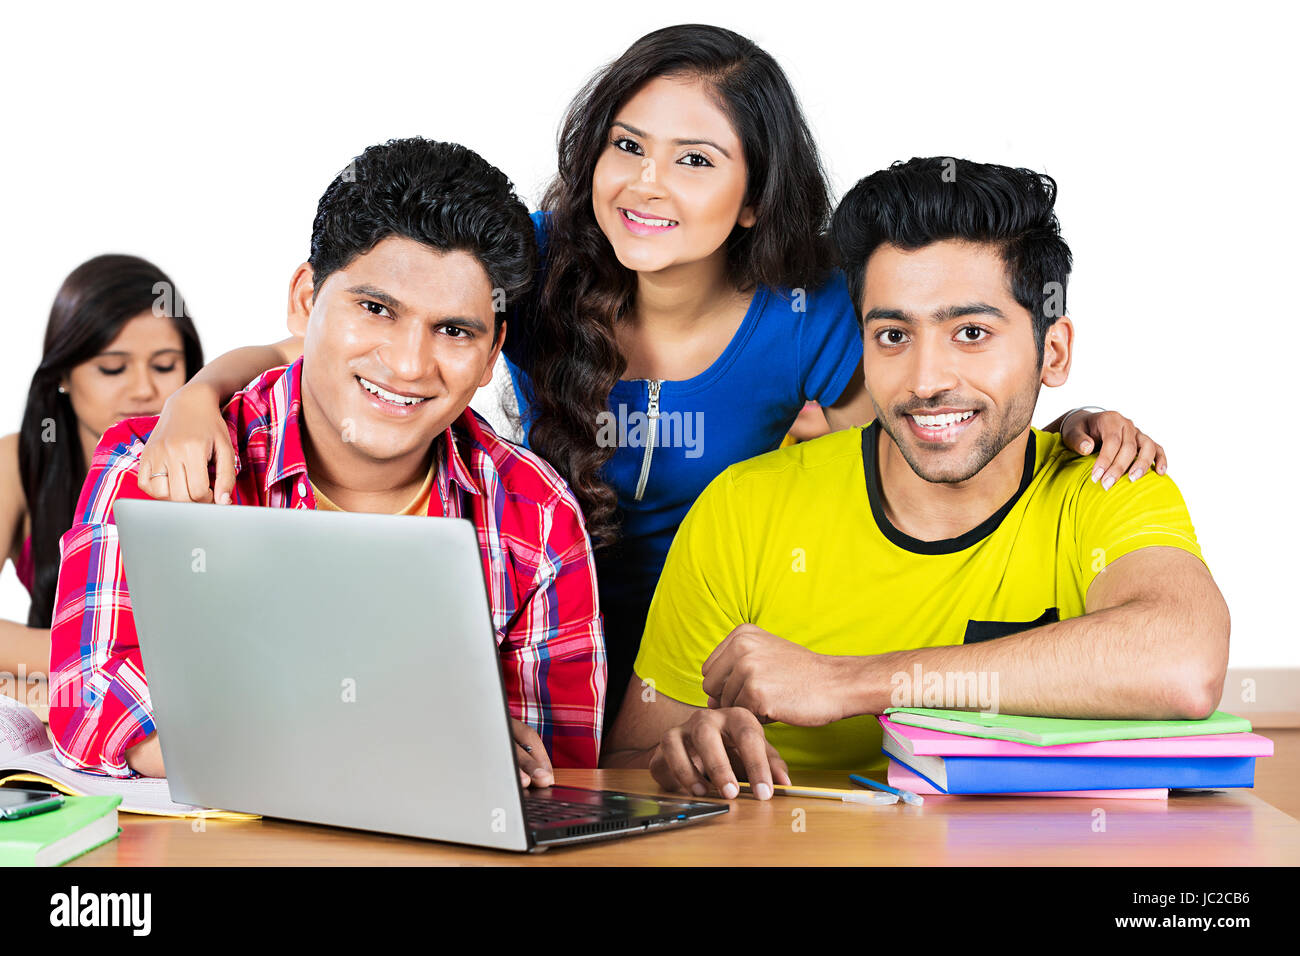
[791, 347]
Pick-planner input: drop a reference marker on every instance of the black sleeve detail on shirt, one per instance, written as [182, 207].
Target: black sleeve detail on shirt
[977, 631]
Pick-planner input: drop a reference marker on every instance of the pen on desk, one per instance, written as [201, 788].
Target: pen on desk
[847, 796]
[907, 795]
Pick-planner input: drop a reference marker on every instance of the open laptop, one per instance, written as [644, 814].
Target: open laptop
[342, 669]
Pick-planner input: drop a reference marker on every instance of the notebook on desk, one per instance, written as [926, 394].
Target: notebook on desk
[920, 740]
[1048, 731]
[982, 774]
[55, 837]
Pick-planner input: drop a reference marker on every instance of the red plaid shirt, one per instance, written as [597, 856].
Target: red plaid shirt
[537, 561]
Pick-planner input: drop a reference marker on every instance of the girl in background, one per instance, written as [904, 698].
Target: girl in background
[113, 350]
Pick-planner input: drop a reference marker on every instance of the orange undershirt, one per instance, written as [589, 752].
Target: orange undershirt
[419, 504]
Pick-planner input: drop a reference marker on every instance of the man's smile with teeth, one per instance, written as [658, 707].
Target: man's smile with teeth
[941, 421]
[390, 397]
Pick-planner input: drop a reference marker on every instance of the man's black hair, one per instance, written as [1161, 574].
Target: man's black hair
[921, 201]
[441, 194]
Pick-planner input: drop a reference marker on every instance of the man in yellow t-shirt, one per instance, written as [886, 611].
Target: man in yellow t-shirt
[948, 554]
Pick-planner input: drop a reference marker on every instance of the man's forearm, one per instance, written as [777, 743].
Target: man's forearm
[1136, 661]
[640, 725]
[626, 758]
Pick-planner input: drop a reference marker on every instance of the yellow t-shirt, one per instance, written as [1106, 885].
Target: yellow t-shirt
[796, 542]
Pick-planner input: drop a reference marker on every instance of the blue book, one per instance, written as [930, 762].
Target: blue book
[1033, 774]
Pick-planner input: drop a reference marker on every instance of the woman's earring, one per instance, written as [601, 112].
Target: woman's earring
[62, 390]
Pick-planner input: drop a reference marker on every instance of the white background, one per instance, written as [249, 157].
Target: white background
[202, 137]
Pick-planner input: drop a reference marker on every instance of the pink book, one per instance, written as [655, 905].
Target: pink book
[903, 778]
[919, 740]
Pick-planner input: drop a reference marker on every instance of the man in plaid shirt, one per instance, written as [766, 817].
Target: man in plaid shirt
[416, 250]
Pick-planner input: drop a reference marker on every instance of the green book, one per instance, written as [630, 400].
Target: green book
[57, 836]
[1045, 731]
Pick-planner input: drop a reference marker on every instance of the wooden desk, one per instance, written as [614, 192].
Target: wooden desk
[1229, 828]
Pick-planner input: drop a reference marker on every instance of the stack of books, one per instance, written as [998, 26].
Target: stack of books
[963, 752]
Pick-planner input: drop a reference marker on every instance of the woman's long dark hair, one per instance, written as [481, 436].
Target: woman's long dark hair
[92, 305]
[575, 361]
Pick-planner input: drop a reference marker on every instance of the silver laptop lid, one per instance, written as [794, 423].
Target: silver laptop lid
[335, 668]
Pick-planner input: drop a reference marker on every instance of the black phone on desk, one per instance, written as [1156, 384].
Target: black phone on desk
[16, 803]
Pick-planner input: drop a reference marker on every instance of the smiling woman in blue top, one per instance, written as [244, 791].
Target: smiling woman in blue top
[686, 310]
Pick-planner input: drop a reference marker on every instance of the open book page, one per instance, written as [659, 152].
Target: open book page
[21, 731]
[26, 755]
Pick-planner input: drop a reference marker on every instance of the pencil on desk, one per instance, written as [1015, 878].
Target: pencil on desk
[907, 795]
[847, 796]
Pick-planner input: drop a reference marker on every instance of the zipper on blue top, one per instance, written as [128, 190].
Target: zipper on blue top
[652, 413]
